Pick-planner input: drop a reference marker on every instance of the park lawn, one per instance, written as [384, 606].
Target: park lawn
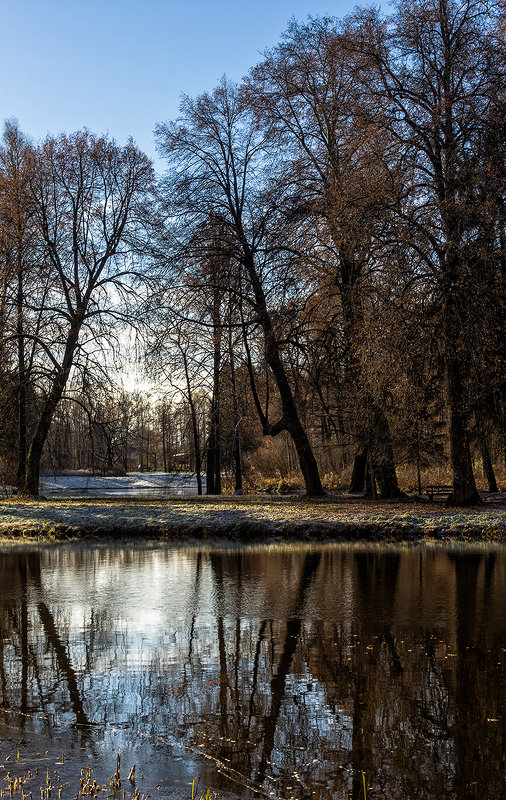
[249, 519]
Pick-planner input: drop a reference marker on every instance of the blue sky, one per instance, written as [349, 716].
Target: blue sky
[119, 66]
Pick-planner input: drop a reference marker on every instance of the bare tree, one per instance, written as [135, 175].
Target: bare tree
[88, 200]
[433, 62]
[218, 175]
[18, 252]
[341, 170]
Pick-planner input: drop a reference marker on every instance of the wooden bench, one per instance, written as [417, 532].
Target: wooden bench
[438, 489]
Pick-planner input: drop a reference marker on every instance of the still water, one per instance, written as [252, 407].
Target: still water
[290, 673]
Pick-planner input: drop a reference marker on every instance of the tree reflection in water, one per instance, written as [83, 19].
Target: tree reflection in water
[285, 671]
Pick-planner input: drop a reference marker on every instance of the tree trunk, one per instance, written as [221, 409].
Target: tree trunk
[213, 471]
[196, 444]
[214, 446]
[30, 482]
[164, 443]
[387, 480]
[195, 428]
[464, 491]
[22, 443]
[375, 438]
[305, 454]
[384, 456]
[290, 420]
[211, 455]
[238, 484]
[378, 456]
[358, 476]
[370, 489]
[488, 469]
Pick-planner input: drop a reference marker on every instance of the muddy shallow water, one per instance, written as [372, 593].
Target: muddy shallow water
[283, 672]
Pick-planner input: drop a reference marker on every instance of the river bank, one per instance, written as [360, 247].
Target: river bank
[251, 519]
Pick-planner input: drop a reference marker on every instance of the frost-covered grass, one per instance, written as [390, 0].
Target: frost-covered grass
[250, 519]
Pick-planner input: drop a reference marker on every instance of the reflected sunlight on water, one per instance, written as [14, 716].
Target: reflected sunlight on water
[273, 671]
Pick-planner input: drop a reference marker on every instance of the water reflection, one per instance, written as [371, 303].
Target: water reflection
[280, 672]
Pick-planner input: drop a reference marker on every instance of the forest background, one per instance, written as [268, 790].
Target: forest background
[315, 288]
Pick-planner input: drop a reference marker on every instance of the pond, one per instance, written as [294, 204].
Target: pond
[263, 672]
[144, 484]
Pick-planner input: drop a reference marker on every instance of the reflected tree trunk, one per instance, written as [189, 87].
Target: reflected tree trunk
[278, 682]
[478, 741]
[64, 662]
[224, 681]
[24, 641]
[254, 678]
[194, 603]
[377, 579]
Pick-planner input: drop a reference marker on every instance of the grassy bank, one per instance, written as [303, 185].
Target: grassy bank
[250, 519]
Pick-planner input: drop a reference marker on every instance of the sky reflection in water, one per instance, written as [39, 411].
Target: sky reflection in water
[265, 672]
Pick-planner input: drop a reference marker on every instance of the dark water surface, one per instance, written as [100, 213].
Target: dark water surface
[265, 672]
